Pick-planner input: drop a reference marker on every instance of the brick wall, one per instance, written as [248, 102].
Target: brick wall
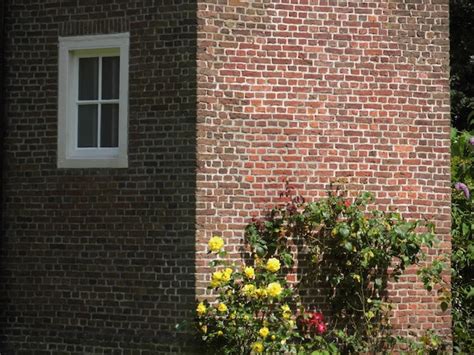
[99, 260]
[312, 91]
[95, 260]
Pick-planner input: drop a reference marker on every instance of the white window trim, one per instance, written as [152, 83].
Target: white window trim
[70, 49]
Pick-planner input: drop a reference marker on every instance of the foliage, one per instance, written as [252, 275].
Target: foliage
[256, 309]
[462, 171]
[350, 252]
[462, 63]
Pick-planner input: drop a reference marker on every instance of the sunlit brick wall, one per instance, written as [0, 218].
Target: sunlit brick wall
[314, 90]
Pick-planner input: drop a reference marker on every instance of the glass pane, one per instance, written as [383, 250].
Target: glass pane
[88, 78]
[109, 125]
[87, 126]
[110, 77]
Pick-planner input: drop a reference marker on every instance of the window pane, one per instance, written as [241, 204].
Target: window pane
[87, 126]
[88, 78]
[109, 125]
[110, 77]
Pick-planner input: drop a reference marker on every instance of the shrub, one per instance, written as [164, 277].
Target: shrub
[354, 252]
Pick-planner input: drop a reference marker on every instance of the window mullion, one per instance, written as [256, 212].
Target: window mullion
[99, 114]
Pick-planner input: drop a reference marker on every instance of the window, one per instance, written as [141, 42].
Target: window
[93, 101]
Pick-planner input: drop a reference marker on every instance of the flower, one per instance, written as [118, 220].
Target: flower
[216, 243]
[226, 275]
[220, 333]
[222, 308]
[347, 203]
[471, 140]
[317, 317]
[248, 290]
[260, 292]
[285, 308]
[264, 332]
[217, 279]
[204, 329]
[462, 187]
[257, 347]
[249, 272]
[274, 289]
[321, 328]
[201, 309]
[273, 265]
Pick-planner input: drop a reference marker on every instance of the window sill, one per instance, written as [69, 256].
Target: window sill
[84, 163]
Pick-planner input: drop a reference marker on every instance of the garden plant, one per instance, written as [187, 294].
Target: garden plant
[346, 249]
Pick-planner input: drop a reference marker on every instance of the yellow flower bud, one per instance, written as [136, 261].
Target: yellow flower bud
[222, 308]
[264, 332]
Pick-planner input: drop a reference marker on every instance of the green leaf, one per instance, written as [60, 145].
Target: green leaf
[348, 246]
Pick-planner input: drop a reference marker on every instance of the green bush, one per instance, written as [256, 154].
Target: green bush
[462, 172]
[353, 252]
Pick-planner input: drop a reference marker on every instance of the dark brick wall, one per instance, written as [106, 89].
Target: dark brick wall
[99, 260]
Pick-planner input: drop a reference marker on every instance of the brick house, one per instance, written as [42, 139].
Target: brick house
[134, 130]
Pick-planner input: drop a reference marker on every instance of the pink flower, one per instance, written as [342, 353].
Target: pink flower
[317, 317]
[321, 328]
[462, 187]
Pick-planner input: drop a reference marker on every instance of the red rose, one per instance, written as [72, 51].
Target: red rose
[321, 328]
[317, 317]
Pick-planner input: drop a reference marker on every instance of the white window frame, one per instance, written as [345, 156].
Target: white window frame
[70, 50]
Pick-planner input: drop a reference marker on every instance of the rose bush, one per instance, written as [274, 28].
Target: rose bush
[351, 252]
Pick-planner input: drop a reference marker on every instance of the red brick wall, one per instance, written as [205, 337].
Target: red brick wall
[312, 91]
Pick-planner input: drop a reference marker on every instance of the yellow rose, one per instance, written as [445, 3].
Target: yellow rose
[217, 278]
[204, 329]
[285, 308]
[201, 309]
[273, 337]
[220, 333]
[356, 277]
[248, 290]
[264, 332]
[274, 289]
[226, 275]
[273, 265]
[249, 272]
[260, 292]
[222, 308]
[291, 324]
[216, 243]
[257, 347]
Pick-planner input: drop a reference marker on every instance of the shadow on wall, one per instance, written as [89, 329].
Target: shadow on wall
[97, 260]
